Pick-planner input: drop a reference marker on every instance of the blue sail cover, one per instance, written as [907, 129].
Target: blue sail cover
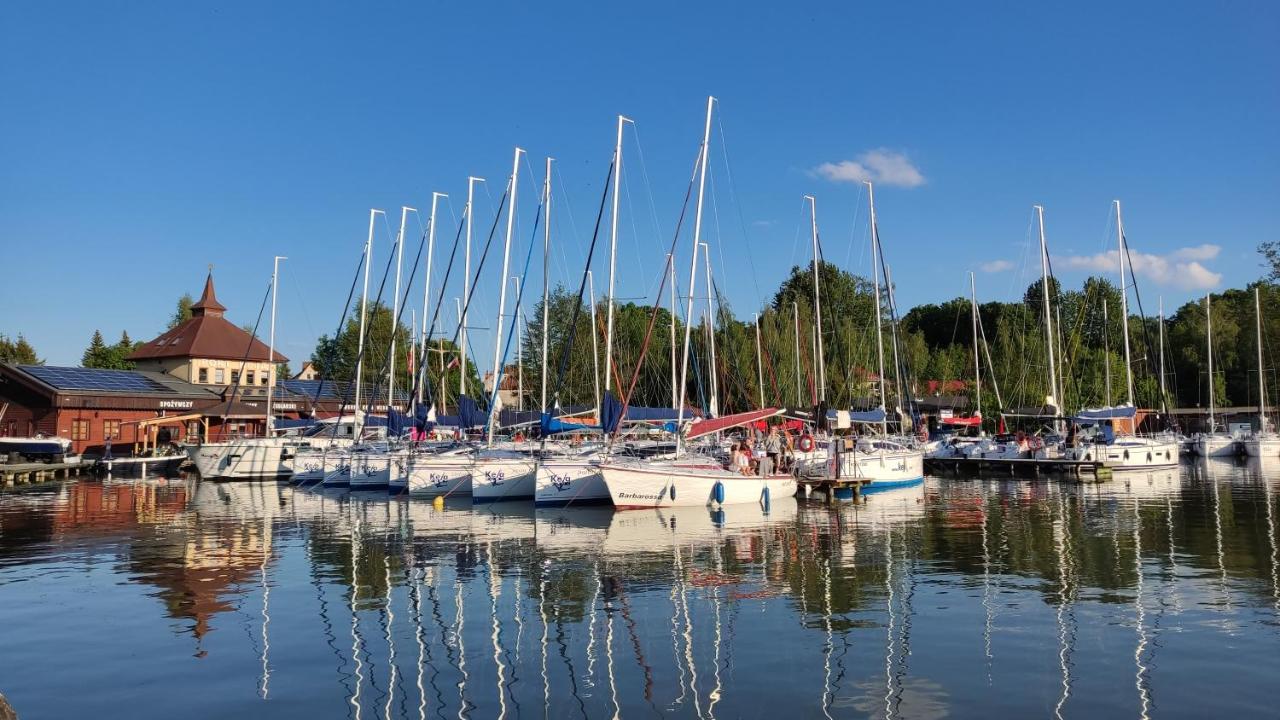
[864, 416]
[551, 425]
[469, 414]
[420, 421]
[290, 424]
[1093, 415]
[610, 413]
[396, 422]
[448, 421]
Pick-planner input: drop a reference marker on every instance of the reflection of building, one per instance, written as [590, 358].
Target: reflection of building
[209, 350]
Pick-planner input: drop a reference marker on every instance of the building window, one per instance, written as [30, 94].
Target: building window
[248, 377]
[110, 429]
[193, 429]
[235, 376]
[79, 429]
[219, 376]
[265, 375]
[204, 375]
[10, 429]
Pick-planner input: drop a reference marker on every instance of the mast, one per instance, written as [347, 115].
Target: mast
[893, 332]
[1163, 397]
[977, 366]
[595, 340]
[270, 352]
[613, 254]
[711, 334]
[1048, 314]
[1262, 385]
[671, 270]
[759, 362]
[426, 291]
[1124, 308]
[466, 286]
[519, 346]
[546, 280]
[502, 294]
[1106, 346]
[693, 270]
[817, 301]
[395, 310]
[364, 300]
[795, 314]
[875, 274]
[1208, 314]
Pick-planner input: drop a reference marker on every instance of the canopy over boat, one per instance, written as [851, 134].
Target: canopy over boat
[963, 421]
[844, 417]
[706, 427]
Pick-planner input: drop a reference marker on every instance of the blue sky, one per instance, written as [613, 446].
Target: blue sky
[140, 142]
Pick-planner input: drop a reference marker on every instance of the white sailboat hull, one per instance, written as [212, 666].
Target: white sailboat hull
[1215, 446]
[884, 469]
[654, 485]
[570, 480]
[1262, 446]
[250, 459]
[433, 476]
[1129, 453]
[495, 480]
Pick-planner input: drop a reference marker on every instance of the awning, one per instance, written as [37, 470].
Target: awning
[706, 427]
[1119, 412]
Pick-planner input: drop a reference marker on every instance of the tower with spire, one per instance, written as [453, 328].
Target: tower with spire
[208, 349]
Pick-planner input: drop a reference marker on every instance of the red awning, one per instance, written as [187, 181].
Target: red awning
[706, 427]
[975, 420]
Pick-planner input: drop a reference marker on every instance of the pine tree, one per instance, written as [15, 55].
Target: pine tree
[18, 352]
[97, 354]
[183, 311]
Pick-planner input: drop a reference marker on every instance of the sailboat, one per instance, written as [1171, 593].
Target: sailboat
[251, 458]
[502, 473]
[1124, 450]
[692, 479]
[1214, 443]
[881, 461]
[1266, 441]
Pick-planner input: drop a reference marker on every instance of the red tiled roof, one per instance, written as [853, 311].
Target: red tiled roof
[206, 335]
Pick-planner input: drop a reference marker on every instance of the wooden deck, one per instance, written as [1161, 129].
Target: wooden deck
[28, 473]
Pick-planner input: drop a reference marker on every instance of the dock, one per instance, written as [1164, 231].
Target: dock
[1082, 470]
[28, 473]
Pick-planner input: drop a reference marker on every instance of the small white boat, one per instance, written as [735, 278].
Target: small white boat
[1128, 452]
[40, 447]
[247, 459]
[1262, 445]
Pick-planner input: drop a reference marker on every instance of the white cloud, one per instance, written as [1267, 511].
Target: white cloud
[996, 266]
[881, 166]
[1180, 268]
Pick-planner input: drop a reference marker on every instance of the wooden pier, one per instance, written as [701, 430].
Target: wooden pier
[27, 473]
[1082, 470]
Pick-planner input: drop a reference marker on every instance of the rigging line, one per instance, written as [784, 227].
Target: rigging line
[377, 302]
[395, 326]
[453, 254]
[648, 185]
[733, 200]
[235, 389]
[635, 233]
[577, 308]
[653, 315]
[342, 321]
[515, 315]
[297, 289]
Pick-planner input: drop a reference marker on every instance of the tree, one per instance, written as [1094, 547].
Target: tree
[1271, 254]
[183, 312]
[18, 352]
[283, 371]
[110, 357]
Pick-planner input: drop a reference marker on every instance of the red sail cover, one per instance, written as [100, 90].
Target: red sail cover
[975, 420]
[706, 427]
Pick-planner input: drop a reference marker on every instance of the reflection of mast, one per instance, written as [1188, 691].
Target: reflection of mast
[827, 647]
[608, 654]
[266, 602]
[389, 613]
[1217, 531]
[675, 619]
[591, 628]
[415, 597]
[459, 617]
[542, 615]
[355, 638]
[1066, 637]
[1271, 538]
[1140, 674]
[495, 591]
[988, 610]
[890, 642]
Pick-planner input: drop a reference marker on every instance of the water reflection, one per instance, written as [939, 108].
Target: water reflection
[1154, 591]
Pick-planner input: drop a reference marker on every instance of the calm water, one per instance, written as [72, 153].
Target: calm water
[1156, 594]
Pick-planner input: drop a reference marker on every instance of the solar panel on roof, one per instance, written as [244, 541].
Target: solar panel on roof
[67, 378]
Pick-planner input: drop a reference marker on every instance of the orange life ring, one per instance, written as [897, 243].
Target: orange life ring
[806, 443]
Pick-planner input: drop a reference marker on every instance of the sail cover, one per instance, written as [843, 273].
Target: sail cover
[1092, 415]
[706, 427]
[469, 414]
